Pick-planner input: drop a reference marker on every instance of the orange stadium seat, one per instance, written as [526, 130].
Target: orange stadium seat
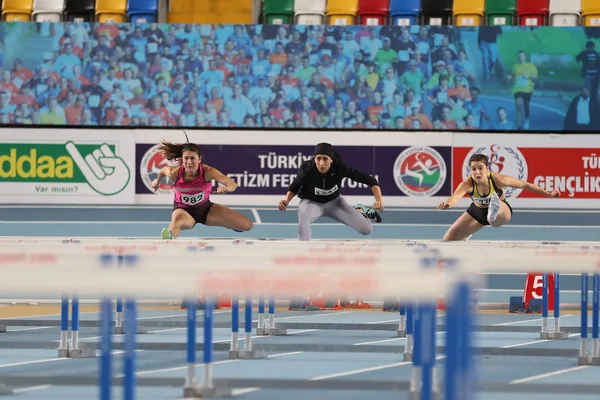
[590, 12]
[342, 12]
[17, 10]
[468, 12]
[111, 11]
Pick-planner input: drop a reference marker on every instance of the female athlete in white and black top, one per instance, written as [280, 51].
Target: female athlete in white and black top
[318, 185]
[486, 209]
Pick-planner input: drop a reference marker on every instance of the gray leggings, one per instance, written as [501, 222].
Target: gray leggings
[338, 209]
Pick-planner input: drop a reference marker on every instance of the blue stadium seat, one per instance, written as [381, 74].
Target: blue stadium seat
[405, 12]
[142, 11]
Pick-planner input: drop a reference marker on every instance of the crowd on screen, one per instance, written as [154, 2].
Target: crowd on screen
[359, 77]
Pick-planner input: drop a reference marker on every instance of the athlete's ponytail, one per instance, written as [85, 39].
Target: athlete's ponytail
[172, 151]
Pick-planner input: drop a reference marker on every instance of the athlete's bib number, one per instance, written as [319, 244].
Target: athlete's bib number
[192, 200]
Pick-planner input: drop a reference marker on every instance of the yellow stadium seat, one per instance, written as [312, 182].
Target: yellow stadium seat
[590, 12]
[17, 10]
[468, 12]
[342, 12]
[190, 11]
[111, 11]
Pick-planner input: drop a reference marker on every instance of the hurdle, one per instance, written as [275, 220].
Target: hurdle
[248, 352]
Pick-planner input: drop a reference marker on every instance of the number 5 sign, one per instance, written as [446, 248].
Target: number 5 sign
[534, 289]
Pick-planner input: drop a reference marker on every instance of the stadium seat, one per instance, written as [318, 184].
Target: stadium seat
[80, 10]
[532, 12]
[111, 11]
[373, 12]
[342, 12]
[565, 12]
[233, 11]
[405, 12]
[279, 12]
[437, 12]
[590, 12]
[48, 10]
[184, 11]
[468, 12]
[142, 11]
[309, 12]
[500, 12]
[17, 10]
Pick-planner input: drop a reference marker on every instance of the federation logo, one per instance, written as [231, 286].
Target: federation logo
[151, 164]
[503, 160]
[420, 171]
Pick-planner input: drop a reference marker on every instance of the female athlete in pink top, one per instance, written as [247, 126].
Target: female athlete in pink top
[193, 186]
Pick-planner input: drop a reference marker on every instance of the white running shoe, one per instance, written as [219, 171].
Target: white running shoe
[493, 208]
[467, 238]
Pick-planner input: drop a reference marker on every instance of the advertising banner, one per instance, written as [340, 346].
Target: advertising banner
[264, 171]
[567, 163]
[67, 166]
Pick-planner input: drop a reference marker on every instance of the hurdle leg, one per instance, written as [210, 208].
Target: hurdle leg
[428, 352]
[63, 347]
[466, 376]
[261, 327]
[410, 326]
[274, 330]
[416, 371]
[544, 334]
[557, 334]
[595, 320]
[234, 349]
[106, 349]
[208, 389]
[75, 351]
[402, 324]
[583, 358]
[249, 353]
[118, 330]
[129, 356]
[190, 385]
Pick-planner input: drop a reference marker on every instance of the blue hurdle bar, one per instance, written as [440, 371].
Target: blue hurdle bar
[63, 348]
[595, 320]
[410, 328]
[130, 346]
[190, 380]
[235, 327]
[583, 358]
[105, 349]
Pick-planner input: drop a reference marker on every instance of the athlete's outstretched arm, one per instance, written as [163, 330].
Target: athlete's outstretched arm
[463, 188]
[169, 172]
[294, 187]
[211, 173]
[509, 181]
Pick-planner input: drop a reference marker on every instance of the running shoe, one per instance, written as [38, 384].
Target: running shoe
[166, 234]
[369, 212]
[493, 208]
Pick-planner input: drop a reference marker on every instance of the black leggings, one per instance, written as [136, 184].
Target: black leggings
[480, 214]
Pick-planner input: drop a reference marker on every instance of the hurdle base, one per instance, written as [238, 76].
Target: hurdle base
[251, 355]
[201, 392]
[408, 356]
[82, 353]
[401, 333]
[595, 361]
[558, 335]
[2, 329]
[545, 335]
[5, 390]
[585, 360]
[277, 332]
[264, 331]
[234, 354]
[63, 353]
[120, 330]
[417, 395]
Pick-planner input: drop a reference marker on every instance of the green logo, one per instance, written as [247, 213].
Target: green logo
[98, 166]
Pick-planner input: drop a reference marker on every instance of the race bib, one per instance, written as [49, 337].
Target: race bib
[192, 199]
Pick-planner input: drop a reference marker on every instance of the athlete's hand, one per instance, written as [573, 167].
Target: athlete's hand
[222, 189]
[378, 205]
[283, 205]
[554, 194]
[443, 206]
[155, 184]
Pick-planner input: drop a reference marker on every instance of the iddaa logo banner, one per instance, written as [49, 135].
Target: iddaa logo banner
[62, 168]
